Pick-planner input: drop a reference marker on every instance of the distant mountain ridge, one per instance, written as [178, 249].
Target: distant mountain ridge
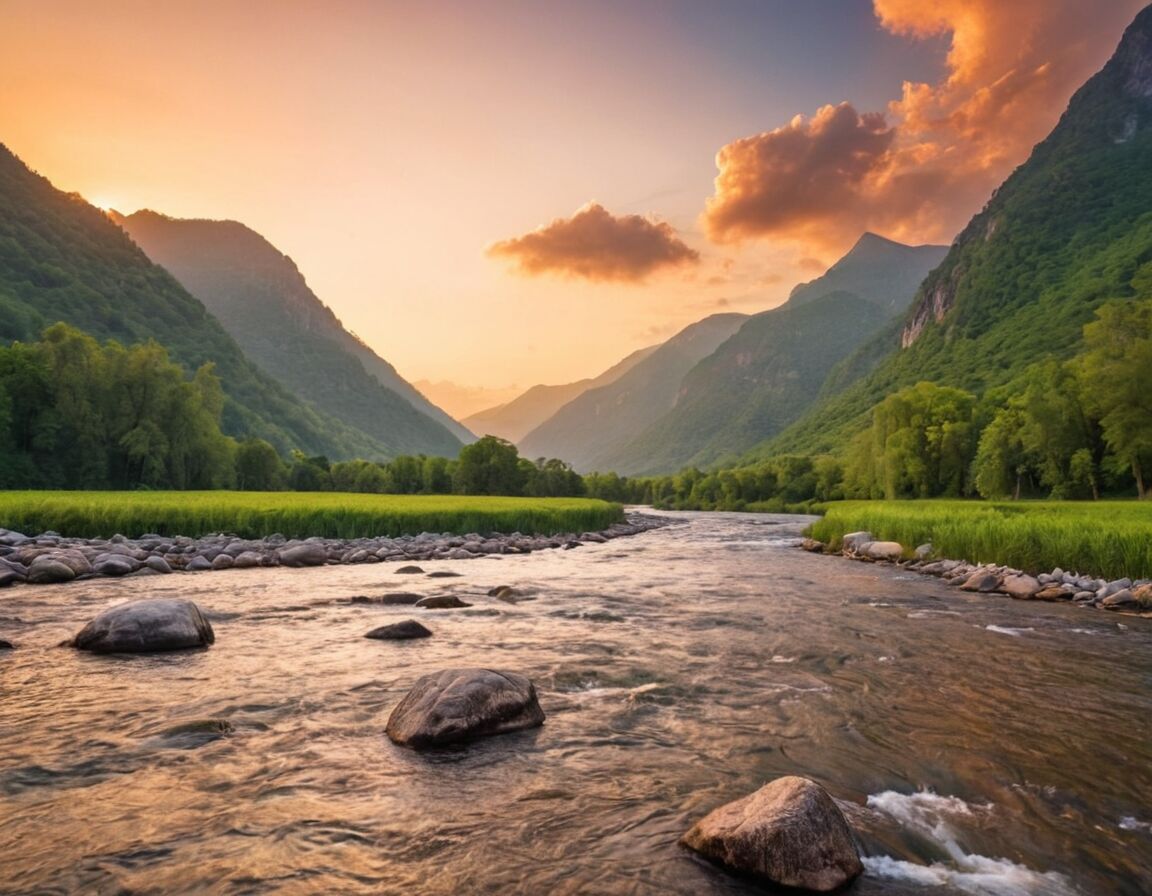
[598, 421]
[513, 420]
[263, 301]
[1068, 230]
[62, 259]
[773, 368]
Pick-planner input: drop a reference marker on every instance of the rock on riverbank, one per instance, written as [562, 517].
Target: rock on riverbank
[987, 578]
[49, 558]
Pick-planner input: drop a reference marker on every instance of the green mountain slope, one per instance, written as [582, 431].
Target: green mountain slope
[262, 300]
[518, 417]
[1068, 230]
[768, 373]
[599, 421]
[61, 259]
[882, 271]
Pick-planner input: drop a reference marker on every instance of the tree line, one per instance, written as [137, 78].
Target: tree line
[78, 414]
[1072, 429]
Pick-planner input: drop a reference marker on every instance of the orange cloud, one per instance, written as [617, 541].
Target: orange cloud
[918, 171]
[596, 245]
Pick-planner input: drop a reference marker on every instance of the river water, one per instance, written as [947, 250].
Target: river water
[980, 745]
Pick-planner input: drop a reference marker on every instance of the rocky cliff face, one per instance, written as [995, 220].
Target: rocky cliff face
[1111, 110]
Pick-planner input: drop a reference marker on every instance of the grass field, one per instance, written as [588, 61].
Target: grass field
[293, 514]
[1106, 538]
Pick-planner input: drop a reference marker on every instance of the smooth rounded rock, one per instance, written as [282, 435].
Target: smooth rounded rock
[115, 565]
[306, 554]
[1022, 587]
[881, 550]
[441, 602]
[47, 570]
[145, 626]
[399, 631]
[159, 564]
[463, 704]
[789, 832]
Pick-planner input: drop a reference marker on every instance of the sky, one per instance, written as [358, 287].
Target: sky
[498, 193]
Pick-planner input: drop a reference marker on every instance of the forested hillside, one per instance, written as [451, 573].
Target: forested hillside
[262, 300]
[61, 259]
[1069, 230]
[773, 368]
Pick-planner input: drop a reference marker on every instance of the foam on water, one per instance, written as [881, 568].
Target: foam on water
[929, 815]
[1008, 630]
[1128, 823]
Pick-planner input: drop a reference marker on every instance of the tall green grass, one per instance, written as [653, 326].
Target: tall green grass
[1106, 538]
[294, 514]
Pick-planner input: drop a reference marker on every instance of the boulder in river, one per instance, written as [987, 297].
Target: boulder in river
[441, 602]
[409, 571]
[789, 832]
[462, 704]
[145, 626]
[399, 631]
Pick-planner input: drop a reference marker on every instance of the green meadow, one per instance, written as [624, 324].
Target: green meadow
[293, 514]
[1101, 538]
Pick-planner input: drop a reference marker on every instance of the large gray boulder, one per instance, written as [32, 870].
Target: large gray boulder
[47, 570]
[463, 704]
[145, 626]
[309, 553]
[789, 832]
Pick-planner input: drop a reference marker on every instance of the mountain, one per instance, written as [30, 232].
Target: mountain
[62, 259]
[772, 369]
[598, 421]
[1068, 230]
[515, 419]
[264, 303]
[879, 270]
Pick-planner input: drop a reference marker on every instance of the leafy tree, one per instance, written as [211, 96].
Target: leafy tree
[922, 440]
[258, 466]
[1115, 371]
[489, 466]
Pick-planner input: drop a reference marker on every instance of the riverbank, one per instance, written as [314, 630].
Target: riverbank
[1119, 595]
[1106, 539]
[301, 515]
[50, 558]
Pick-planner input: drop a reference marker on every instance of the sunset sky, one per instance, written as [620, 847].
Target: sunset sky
[506, 192]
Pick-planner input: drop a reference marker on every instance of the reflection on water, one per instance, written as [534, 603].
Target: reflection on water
[981, 745]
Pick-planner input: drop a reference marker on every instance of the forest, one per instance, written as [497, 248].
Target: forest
[77, 414]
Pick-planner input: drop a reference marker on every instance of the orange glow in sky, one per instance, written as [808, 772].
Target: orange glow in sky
[388, 146]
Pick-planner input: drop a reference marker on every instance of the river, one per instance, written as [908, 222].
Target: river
[981, 745]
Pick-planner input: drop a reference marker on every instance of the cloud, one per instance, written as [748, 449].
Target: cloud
[596, 245]
[919, 170]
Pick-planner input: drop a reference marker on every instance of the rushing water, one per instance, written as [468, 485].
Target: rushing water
[981, 745]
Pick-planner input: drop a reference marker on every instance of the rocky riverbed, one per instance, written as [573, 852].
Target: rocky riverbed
[50, 558]
[1119, 595]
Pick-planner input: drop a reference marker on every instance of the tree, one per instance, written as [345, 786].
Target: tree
[489, 466]
[923, 440]
[1115, 372]
[258, 466]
